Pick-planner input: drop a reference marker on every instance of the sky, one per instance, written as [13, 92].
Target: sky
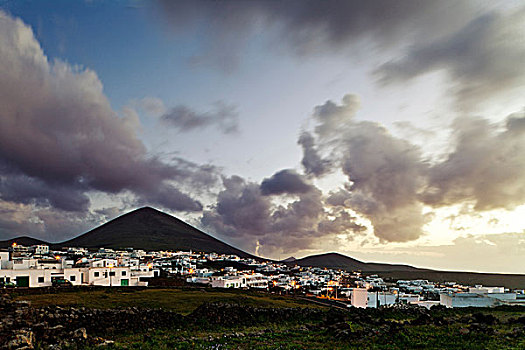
[386, 131]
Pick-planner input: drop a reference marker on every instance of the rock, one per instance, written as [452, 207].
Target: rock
[23, 340]
[106, 343]
[80, 334]
[56, 328]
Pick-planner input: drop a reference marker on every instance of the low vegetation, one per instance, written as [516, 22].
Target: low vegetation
[231, 319]
[182, 301]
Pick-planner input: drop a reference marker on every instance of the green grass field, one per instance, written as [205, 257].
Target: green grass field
[178, 300]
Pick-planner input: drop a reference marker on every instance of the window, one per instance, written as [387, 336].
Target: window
[124, 273]
[40, 279]
[96, 274]
[111, 273]
[72, 278]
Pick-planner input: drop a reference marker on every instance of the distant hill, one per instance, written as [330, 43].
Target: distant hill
[149, 229]
[340, 261]
[27, 241]
[395, 272]
[512, 281]
[290, 259]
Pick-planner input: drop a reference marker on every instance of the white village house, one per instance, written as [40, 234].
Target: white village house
[26, 271]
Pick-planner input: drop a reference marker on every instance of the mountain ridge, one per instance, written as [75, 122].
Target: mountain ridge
[150, 229]
[336, 260]
[144, 228]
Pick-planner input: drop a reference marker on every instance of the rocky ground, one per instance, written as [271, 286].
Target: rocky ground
[220, 325]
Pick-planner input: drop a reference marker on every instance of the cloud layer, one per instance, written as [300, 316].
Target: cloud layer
[60, 140]
[481, 59]
[61, 143]
[389, 182]
[248, 218]
[311, 25]
[486, 167]
[223, 116]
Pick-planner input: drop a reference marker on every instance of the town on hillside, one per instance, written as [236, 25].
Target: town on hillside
[39, 266]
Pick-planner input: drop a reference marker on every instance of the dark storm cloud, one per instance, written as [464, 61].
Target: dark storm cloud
[342, 223]
[240, 209]
[286, 181]
[487, 165]
[385, 173]
[26, 190]
[312, 162]
[224, 116]
[171, 197]
[481, 58]
[248, 218]
[339, 198]
[50, 224]
[333, 118]
[311, 25]
[390, 181]
[60, 139]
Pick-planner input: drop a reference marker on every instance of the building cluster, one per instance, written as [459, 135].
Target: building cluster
[38, 266]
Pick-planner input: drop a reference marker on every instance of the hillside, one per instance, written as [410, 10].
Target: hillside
[26, 241]
[395, 272]
[340, 261]
[511, 281]
[150, 229]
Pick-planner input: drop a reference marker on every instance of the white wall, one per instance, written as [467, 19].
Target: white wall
[376, 299]
[359, 297]
[4, 260]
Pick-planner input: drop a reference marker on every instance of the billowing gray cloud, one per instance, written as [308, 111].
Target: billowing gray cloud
[386, 176]
[168, 196]
[312, 162]
[224, 116]
[246, 217]
[50, 224]
[240, 209]
[333, 118]
[481, 59]
[486, 167]
[27, 190]
[60, 140]
[390, 181]
[385, 173]
[286, 181]
[342, 223]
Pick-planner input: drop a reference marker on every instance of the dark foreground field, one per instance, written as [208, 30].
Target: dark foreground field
[214, 319]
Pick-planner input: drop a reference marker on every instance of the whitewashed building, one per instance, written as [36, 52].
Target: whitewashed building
[359, 297]
[476, 299]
